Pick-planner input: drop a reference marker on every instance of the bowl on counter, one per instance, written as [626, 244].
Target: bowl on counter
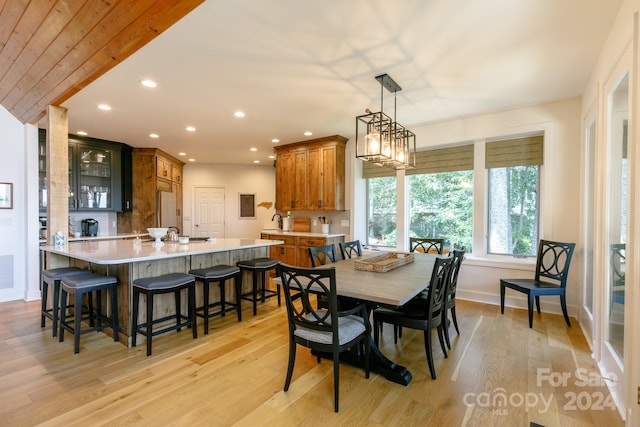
[183, 240]
[157, 233]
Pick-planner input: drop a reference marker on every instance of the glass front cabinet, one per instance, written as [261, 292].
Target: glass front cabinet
[95, 174]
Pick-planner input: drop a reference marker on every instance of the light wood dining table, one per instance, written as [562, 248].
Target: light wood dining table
[393, 288]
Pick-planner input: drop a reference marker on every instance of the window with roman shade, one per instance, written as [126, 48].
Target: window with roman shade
[526, 151]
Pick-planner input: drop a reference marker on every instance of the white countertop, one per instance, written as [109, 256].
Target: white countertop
[275, 232]
[126, 251]
[104, 237]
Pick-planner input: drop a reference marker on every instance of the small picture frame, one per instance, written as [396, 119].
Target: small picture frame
[6, 195]
[247, 206]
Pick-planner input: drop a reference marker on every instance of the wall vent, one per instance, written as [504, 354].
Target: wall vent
[6, 271]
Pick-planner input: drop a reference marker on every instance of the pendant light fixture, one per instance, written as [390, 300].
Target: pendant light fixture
[381, 140]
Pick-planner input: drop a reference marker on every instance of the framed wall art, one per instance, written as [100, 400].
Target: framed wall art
[6, 195]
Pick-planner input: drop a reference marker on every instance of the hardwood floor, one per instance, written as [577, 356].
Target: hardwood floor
[499, 372]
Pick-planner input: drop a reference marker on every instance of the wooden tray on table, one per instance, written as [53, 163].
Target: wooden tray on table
[384, 262]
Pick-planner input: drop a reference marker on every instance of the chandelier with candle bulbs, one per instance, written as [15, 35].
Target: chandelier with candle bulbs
[382, 140]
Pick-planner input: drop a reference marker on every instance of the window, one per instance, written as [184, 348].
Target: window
[441, 206]
[381, 211]
[514, 182]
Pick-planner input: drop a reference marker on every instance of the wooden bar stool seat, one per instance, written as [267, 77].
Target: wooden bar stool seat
[79, 285]
[220, 274]
[150, 286]
[259, 266]
[52, 277]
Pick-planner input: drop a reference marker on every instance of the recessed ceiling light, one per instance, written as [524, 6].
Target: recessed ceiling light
[81, 132]
[182, 154]
[272, 156]
[253, 149]
[275, 140]
[239, 114]
[148, 83]
[308, 133]
[256, 161]
[192, 160]
[104, 107]
[190, 129]
[154, 135]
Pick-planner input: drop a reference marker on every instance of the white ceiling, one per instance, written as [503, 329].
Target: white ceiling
[294, 66]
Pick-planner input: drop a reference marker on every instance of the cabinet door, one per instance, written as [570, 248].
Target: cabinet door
[325, 178]
[177, 189]
[176, 174]
[163, 168]
[301, 180]
[285, 175]
[99, 177]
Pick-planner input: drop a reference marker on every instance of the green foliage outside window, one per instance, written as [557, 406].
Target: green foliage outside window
[382, 211]
[441, 206]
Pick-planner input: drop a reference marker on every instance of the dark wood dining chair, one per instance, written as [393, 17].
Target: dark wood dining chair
[325, 330]
[425, 316]
[350, 249]
[450, 297]
[553, 261]
[322, 255]
[426, 245]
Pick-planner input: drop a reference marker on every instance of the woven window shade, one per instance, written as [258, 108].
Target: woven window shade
[450, 159]
[514, 152]
[371, 170]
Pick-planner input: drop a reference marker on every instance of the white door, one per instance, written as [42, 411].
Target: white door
[209, 212]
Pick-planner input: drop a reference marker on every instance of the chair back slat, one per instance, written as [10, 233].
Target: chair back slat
[618, 258]
[350, 249]
[456, 261]
[553, 260]
[322, 255]
[426, 245]
[305, 285]
[438, 286]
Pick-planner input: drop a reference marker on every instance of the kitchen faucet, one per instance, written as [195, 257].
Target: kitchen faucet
[279, 219]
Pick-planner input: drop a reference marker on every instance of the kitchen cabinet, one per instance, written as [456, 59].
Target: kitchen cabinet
[96, 172]
[310, 175]
[286, 252]
[295, 250]
[153, 171]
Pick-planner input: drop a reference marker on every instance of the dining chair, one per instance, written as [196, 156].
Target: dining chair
[426, 245]
[325, 330]
[350, 249]
[423, 317]
[450, 297]
[322, 255]
[553, 261]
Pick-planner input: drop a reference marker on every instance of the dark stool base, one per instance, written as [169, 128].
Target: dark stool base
[79, 290]
[146, 329]
[265, 293]
[52, 277]
[224, 306]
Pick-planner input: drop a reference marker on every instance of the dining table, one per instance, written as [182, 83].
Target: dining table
[392, 288]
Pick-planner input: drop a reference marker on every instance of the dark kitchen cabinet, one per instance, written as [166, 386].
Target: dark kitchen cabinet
[99, 175]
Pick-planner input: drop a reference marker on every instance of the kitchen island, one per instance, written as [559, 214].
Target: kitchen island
[129, 260]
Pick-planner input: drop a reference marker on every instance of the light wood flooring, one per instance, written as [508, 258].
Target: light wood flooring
[235, 375]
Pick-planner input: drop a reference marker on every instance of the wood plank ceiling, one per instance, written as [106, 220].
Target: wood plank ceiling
[50, 50]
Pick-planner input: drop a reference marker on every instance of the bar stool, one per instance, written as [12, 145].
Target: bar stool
[255, 266]
[220, 274]
[52, 277]
[150, 286]
[81, 284]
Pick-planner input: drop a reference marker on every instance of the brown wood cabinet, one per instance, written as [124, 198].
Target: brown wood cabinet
[295, 250]
[153, 171]
[310, 174]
